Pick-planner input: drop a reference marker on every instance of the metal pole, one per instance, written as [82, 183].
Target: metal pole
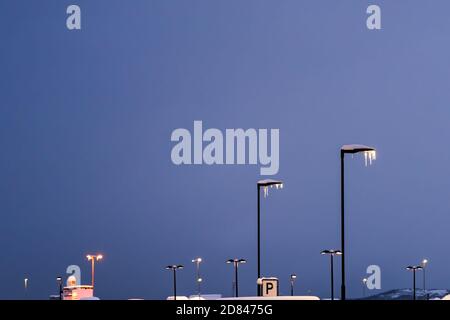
[198, 279]
[259, 241]
[92, 272]
[342, 229]
[424, 287]
[236, 278]
[332, 277]
[292, 287]
[174, 284]
[414, 284]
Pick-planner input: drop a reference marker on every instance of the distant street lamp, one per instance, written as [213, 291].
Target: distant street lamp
[364, 283]
[265, 184]
[332, 253]
[199, 280]
[93, 258]
[174, 268]
[423, 264]
[25, 286]
[60, 289]
[293, 277]
[414, 269]
[236, 263]
[369, 155]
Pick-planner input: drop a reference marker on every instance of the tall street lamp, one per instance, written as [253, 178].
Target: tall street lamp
[293, 277]
[199, 280]
[93, 258]
[423, 264]
[265, 184]
[369, 155]
[236, 263]
[364, 284]
[332, 253]
[174, 269]
[414, 269]
[59, 282]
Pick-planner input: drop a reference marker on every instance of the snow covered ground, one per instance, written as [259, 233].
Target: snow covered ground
[407, 294]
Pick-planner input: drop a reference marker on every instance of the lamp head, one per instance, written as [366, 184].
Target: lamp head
[356, 148]
[332, 252]
[96, 257]
[237, 261]
[174, 267]
[370, 153]
[269, 182]
[413, 268]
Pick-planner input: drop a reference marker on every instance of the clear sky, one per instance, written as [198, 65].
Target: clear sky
[86, 119]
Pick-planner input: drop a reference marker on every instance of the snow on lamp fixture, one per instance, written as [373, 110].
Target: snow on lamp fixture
[370, 153]
[370, 156]
[265, 184]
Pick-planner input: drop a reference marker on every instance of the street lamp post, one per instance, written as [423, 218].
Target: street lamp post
[293, 277]
[364, 284]
[236, 263]
[59, 282]
[414, 269]
[93, 259]
[199, 280]
[197, 262]
[423, 264]
[369, 154]
[332, 253]
[174, 268]
[265, 184]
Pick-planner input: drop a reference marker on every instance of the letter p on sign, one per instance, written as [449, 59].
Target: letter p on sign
[269, 287]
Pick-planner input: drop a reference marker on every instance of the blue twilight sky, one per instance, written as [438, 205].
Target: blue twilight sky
[86, 119]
